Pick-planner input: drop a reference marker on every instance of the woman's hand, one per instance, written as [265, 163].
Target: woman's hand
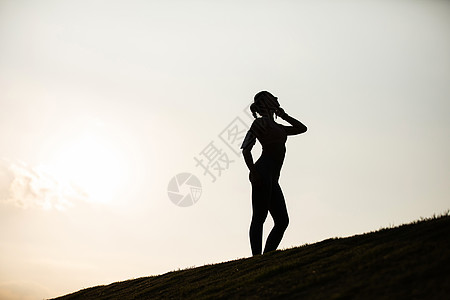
[280, 112]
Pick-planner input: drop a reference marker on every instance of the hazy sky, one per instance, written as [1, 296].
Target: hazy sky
[102, 103]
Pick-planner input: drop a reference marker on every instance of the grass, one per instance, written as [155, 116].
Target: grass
[410, 261]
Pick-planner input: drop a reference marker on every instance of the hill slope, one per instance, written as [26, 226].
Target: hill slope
[407, 262]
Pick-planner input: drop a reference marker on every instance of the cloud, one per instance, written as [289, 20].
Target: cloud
[33, 187]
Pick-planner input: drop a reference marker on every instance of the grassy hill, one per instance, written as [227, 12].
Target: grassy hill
[407, 262]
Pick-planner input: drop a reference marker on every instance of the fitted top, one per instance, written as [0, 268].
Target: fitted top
[268, 131]
[272, 137]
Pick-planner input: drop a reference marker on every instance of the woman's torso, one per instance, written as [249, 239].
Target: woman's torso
[272, 137]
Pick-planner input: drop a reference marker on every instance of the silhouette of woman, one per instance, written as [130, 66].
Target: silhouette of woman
[264, 173]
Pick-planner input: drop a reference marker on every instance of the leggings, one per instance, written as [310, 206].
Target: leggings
[267, 197]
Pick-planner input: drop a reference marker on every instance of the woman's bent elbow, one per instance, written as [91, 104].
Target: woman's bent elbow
[246, 152]
[304, 129]
[301, 130]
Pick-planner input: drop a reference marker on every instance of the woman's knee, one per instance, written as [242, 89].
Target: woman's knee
[282, 223]
[258, 219]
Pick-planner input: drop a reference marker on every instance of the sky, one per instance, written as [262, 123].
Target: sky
[104, 103]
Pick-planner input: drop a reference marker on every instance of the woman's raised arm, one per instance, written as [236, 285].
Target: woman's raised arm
[297, 126]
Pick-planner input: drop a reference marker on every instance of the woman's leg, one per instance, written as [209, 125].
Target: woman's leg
[278, 211]
[260, 205]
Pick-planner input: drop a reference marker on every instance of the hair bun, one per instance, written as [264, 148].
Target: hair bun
[254, 110]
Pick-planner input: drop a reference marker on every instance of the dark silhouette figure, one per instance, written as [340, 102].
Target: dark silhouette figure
[264, 173]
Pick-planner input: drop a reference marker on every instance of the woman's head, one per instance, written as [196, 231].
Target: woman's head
[265, 104]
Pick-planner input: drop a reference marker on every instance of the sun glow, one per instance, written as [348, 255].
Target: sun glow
[92, 163]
